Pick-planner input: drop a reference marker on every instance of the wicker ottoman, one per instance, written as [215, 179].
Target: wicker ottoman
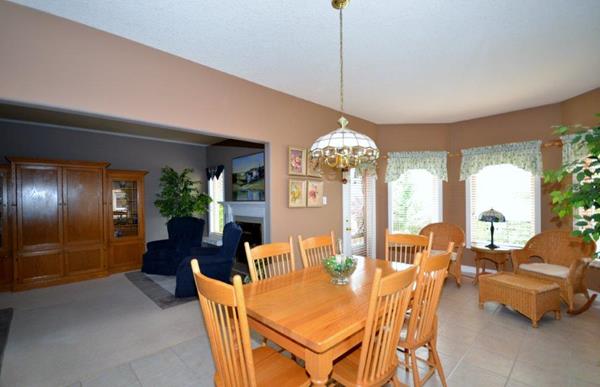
[530, 296]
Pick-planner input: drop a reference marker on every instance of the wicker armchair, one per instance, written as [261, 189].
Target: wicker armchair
[564, 260]
[443, 234]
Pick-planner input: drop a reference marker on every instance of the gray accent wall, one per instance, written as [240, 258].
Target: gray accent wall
[21, 139]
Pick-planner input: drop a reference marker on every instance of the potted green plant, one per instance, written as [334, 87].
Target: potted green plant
[180, 195]
[582, 192]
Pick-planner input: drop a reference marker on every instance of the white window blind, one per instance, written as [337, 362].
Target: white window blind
[216, 191]
[414, 201]
[510, 190]
[362, 210]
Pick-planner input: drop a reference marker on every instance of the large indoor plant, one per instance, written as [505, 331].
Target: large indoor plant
[179, 195]
[583, 191]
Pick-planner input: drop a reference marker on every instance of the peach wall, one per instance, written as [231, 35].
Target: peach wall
[582, 109]
[54, 62]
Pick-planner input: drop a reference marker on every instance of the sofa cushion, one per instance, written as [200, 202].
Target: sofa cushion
[546, 269]
[438, 252]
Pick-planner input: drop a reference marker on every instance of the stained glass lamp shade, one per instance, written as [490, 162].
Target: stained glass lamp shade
[344, 148]
[492, 216]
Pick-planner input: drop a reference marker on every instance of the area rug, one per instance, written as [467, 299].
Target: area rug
[5, 320]
[159, 288]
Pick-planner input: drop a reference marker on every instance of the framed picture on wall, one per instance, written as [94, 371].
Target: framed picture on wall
[248, 177]
[312, 167]
[296, 193]
[296, 161]
[314, 193]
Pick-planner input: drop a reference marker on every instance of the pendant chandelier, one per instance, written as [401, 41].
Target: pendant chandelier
[343, 148]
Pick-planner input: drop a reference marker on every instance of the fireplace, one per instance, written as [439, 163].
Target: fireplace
[252, 232]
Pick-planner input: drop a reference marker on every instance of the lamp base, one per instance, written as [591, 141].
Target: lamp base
[492, 246]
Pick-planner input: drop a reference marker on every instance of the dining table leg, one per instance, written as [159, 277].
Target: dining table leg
[318, 366]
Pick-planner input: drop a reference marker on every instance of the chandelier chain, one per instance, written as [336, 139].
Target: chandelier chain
[341, 61]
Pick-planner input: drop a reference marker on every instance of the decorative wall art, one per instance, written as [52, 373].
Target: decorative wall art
[297, 193]
[248, 177]
[314, 193]
[296, 161]
[312, 168]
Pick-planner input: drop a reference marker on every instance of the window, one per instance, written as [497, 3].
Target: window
[512, 191]
[414, 201]
[216, 216]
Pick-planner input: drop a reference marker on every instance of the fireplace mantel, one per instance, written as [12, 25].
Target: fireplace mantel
[248, 209]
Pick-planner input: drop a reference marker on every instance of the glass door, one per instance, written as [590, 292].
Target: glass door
[359, 215]
[2, 209]
[6, 266]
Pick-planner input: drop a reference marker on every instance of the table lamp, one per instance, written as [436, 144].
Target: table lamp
[492, 216]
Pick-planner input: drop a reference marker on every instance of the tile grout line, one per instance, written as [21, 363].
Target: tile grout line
[514, 363]
[135, 373]
[462, 357]
[182, 361]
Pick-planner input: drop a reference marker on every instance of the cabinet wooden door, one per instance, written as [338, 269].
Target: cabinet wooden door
[125, 197]
[6, 268]
[39, 222]
[84, 246]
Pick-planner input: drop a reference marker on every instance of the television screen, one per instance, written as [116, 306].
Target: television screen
[248, 174]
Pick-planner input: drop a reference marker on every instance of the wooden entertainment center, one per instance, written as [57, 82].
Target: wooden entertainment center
[66, 221]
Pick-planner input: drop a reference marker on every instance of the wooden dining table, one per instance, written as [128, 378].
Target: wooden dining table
[304, 313]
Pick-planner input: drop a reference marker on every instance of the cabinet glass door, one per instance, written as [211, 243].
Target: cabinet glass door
[125, 208]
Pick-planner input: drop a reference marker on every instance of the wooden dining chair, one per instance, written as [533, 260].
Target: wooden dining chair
[270, 260]
[422, 323]
[375, 362]
[226, 322]
[314, 249]
[405, 247]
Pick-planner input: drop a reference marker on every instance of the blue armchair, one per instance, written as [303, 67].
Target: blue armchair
[214, 262]
[163, 256]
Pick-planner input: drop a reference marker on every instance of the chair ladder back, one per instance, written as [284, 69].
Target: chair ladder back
[388, 303]
[270, 260]
[227, 327]
[430, 282]
[405, 247]
[314, 249]
[444, 234]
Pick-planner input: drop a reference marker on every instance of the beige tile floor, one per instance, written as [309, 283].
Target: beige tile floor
[53, 343]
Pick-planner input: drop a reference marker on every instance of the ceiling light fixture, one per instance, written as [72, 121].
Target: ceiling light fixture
[343, 148]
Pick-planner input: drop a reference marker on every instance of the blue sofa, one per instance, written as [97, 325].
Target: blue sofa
[164, 256]
[215, 262]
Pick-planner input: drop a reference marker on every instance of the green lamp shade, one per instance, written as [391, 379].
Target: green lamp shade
[492, 215]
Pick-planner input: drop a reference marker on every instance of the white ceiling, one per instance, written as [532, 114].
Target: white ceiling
[406, 61]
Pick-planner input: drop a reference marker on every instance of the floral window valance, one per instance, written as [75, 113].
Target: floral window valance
[400, 162]
[525, 155]
[573, 152]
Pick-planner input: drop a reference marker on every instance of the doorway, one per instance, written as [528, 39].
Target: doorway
[359, 209]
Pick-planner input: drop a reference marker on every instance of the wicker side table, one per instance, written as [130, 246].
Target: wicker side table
[497, 256]
[529, 296]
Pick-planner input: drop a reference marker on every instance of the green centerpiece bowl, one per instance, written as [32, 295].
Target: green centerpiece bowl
[340, 268]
